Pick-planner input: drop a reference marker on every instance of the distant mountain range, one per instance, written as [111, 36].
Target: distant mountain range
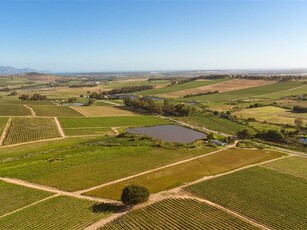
[12, 70]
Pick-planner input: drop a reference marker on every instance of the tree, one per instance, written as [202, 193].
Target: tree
[134, 194]
[243, 134]
[299, 122]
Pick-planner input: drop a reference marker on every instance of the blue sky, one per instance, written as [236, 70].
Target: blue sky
[129, 35]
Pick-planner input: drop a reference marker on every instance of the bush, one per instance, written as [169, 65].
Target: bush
[134, 194]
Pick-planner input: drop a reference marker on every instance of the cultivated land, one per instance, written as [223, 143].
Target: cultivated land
[167, 91]
[14, 110]
[175, 176]
[80, 165]
[179, 214]
[13, 197]
[55, 111]
[104, 111]
[57, 213]
[271, 114]
[224, 86]
[30, 129]
[274, 199]
[59, 163]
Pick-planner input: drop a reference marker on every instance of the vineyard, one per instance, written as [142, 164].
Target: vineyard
[274, 199]
[55, 111]
[178, 214]
[13, 197]
[58, 213]
[295, 166]
[30, 129]
[3, 121]
[111, 121]
[14, 110]
[177, 175]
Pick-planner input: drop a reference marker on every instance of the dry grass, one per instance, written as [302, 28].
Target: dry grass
[104, 111]
[271, 114]
[224, 86]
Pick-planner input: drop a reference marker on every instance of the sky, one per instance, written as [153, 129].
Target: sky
[92, 35]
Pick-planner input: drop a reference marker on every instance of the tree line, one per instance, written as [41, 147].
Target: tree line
[34, 97]
[165, 108]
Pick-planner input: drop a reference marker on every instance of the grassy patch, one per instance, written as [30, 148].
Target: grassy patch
[13, 197]
[30, 129]
[87, 131]
[58, 213]
[275, 199]
[186, 172]
[180, 214]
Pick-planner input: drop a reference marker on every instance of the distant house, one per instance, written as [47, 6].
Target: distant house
[218, 143]
[303, 140]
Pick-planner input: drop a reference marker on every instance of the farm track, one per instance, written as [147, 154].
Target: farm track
[37, 202]
[111, 103]
[31, 110]
[195, 127]
[55, 190]
[151, 170]
[59, 127]
[5, 130]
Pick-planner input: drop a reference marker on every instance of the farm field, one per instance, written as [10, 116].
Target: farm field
[214, 123]
[15, 101]
[254, 92]
[146, 120]
[13, 197]
[274, 199]
[177, 175]
[14, 110]
[224, 86]
[104, 111]
[180, 214]
[58, 213]
[55, 111]
[295, 166]
[271, 114]
[300, 90]
[3, 121]
[80, 165]
[291, 103]
[30, 129]
[166, 91]
[87, 131]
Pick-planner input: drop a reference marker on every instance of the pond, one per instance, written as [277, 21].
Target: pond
[73, 104]
[170, 133]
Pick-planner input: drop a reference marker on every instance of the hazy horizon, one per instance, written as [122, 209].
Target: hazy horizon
[127, 36]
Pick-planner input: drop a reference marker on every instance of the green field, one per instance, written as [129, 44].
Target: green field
[14, 110]
[108, 122]
[15, 101]
[78, 164]
[258, 92]
[178, 214]
[212, 122]
[87, 131]
[295, 166]
[188, 85]
[57, 213]
[272, 198]
[30, 129]
[13, 197]
[3, 121]
[190, 171]
[55, 111]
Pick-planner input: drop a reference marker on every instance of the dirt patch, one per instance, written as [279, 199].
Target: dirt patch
[225, 86]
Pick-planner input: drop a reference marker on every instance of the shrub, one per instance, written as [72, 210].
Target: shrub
[134, 194]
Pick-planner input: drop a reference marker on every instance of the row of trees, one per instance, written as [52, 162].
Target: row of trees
[299, 109]
[166, 108]
[34, 97]
[201, 94]
[123, 90]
